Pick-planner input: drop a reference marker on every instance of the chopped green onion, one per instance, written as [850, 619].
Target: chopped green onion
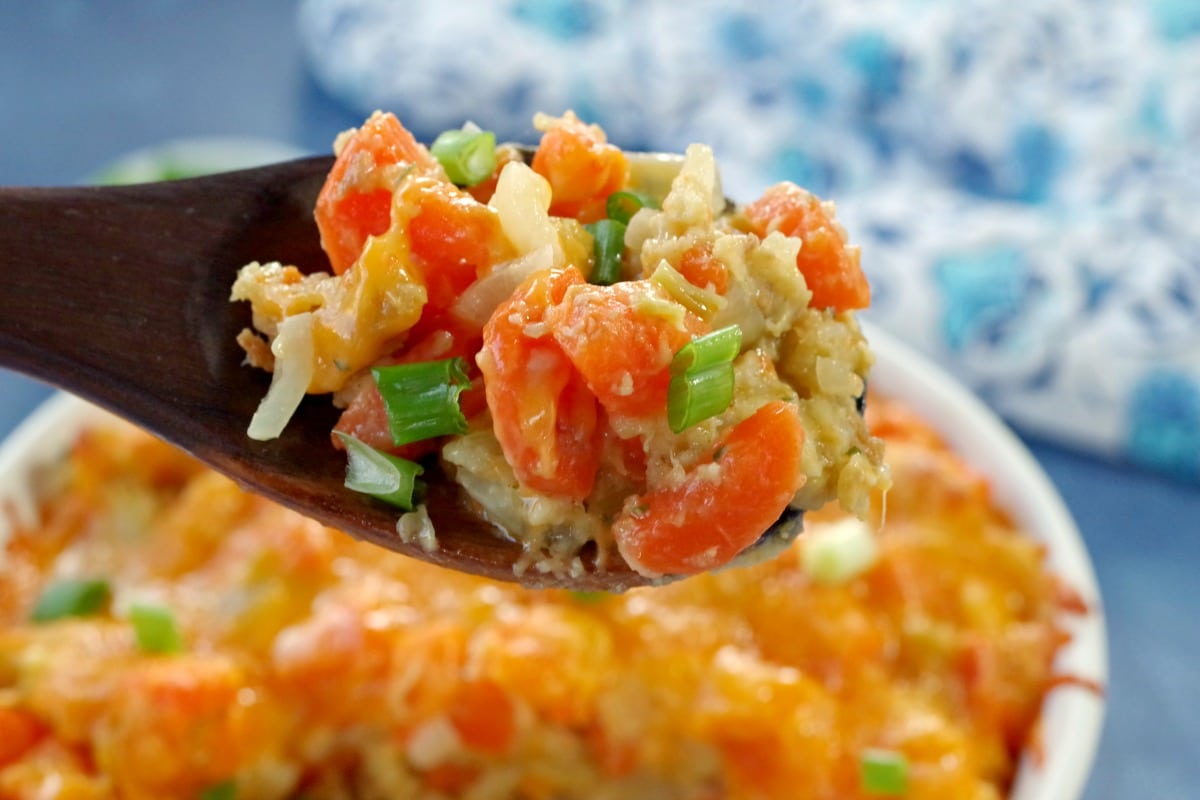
[155, 629]
[702, 378]
[226, 790]
[379, 474]
[701, 302]
[839, 551]
[608, 244]
[718, 347]
[621, 206]
[883, 772]
[71, 598]
[588, 597]
[696, 395]
[422, 398]
[468, 156]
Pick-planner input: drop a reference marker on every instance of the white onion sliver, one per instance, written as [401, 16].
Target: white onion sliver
[522, 202]
[653, 172]
[294, 354]
[476, 305]
[838, 551]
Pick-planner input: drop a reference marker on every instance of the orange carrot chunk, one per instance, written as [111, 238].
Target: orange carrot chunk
[544, 416]
[712, 515]
[622, 350]
[355, 201]
[484, 716]
[830, 267]
[454, 239]
[582, 167]
[19, 732]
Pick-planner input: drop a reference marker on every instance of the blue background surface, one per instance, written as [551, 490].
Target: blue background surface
[84, 83]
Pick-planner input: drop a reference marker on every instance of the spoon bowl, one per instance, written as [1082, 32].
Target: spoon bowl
[121, 295]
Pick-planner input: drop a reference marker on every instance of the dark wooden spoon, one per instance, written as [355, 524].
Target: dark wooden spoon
[121, 295]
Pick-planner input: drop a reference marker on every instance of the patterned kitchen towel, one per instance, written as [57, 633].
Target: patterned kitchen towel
[1023, 175]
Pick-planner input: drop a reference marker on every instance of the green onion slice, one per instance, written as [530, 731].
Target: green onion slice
[587, 597]
[155, 629]
[422, 398]
[883, 772]
[696, 395]
[379, 474]
[608, 243]
[468, 156]
[226, 790]
[621, 206]
[71, 598]
[702, 378]
[838, 552]
[719, 347]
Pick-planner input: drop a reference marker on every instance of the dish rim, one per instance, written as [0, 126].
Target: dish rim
[1072, 716]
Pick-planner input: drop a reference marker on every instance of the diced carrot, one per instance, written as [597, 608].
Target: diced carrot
[484, 716]
[754, 755]
[19, 732]
[830, 267]
[615, 757]
[620, 346]
[703, 522]
[544, 417]
[582, 167]
[703, 269]
[451, 779]
[354, 202]
[453, 237]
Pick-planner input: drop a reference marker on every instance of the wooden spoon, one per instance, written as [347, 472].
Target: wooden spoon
[121, 295]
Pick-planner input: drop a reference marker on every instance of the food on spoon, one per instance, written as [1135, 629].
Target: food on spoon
[596, 354]
[164, 634]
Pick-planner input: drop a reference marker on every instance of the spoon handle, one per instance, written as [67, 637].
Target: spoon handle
[75, 285]
[121, 294]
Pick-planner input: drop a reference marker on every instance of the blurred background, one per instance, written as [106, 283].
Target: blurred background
[1023, 176]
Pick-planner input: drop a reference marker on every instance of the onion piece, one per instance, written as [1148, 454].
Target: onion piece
[653, 173]
[476, 305]
[522, 201]
[294, 353]
[839, 551]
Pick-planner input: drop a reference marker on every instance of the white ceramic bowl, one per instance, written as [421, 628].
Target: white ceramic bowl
[201, 155]
[1072, 718]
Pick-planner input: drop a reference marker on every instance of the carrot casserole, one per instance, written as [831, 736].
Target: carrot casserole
[165, 635]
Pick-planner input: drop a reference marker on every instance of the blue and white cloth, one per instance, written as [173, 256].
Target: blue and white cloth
[1023, 175]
